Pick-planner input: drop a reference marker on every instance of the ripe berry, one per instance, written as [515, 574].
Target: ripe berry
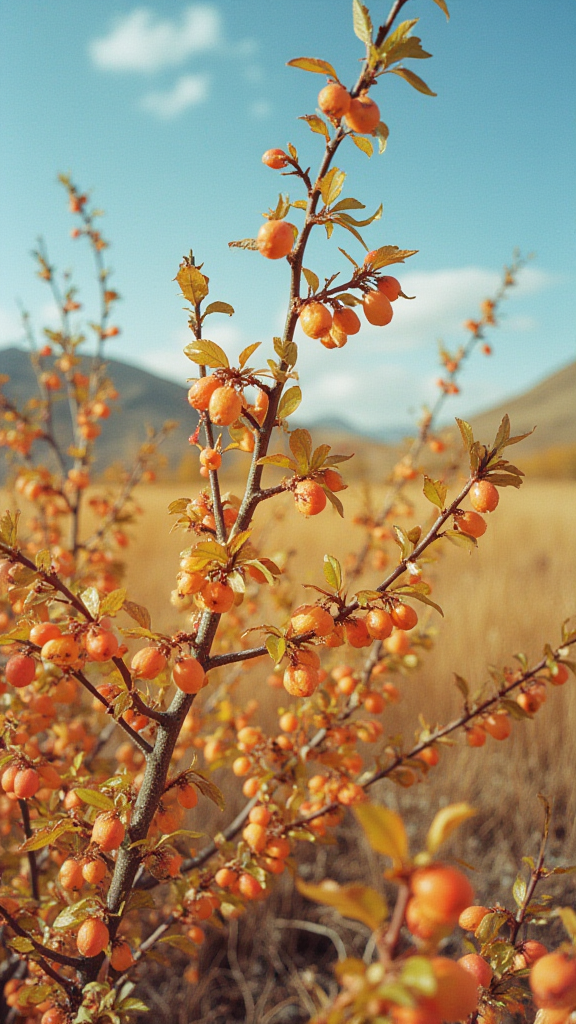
[363, 115]
[216, 597]
[356, 633]
[101, 646]
[62, 651]
[471, 917]
[288, 722]
[93, 871]
[457, 993]
[275, 239]
[108, 831]
[403, 616]
[70, 875]
[312, 619]
[44, 631]
[20, 670]
[225, 406]
[93, 937]
[187, 796]
[477, 967]
[558, 674]
[379, 624]
[202, 390]
[529, 952]
[26, 783]
[390, 287]
[249, 887]
[553, 981]
[475, 736]
[275, 158]
[189, 675]
[148, 663]
[334, 100]
[333, 480]
[443, 892]
[377, 308]
[374, 703]
[121, 958]
[472, 524]
[309, 497]
[256, 837]
[346, 320]
[315, 319]
[498, 726]
[300, 680]
[210, 458]
[484, 496]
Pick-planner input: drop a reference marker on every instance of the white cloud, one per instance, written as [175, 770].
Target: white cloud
[143, 42]
[188, 91]
[11, 329]
[261, 109]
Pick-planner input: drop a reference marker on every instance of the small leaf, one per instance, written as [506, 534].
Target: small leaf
[334, 501]
[284, 461]
[246, 353]
[113, 602]
[462, 685]
[219, 307]
[362, 22]
[388, 254]
[301, 448]
[21, 944]
[316, 124]
[181, 942]
[43, 560]
[467, 433]
[348, 204]
[442, 5]
[519, 890]
[206, 353]
[193, 284]
[312, 279]
[414, 80]
[94, 798]
[332, 184]
[138, 612]
[91, 599]
[435, 491]
[207, 789]
[489, 926]
[332, 572]
[46, 836]
[289, 402]
[319, 67]
[384, 830]
[276, 647]
[359, 902]
[445, 822]
[363, 143]
[418, 973]
[73, 915]
[461, 540]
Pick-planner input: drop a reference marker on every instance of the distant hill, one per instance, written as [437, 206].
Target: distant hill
[146, 399]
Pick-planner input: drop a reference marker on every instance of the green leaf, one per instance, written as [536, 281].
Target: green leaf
[9, 528]
[138, 612]
[289, 402]
[319, 67]
[418, 973]
[348, 204]
[46, 836]
[113, 602]
[384, 830]
[332, 184]
[312, 279]
[246, 353]
[301, 448]
[332, 572]
[503, 433]
[444, 824]
[467, 433]
[20, 632]
[181, 942]
[284, 461]
[388, 254]
[363, 143]
[206, 353]
[72, 916]
[435, 491]
[94, 798]
[413, 80]
[346, 297]
[193, 284]
[442, 5]
[21, 944]
[361, 223]
[519, 890]
[276, 647]
[316, 124]
[362, 22]
[568, 917]
[504, 479]
[489, 926]
[359, 902]
[219, 307]
[382, 132]
[91, 598]
[461, 540]
[403, 541]
[238, 542]
[43, 560]
[352, 230]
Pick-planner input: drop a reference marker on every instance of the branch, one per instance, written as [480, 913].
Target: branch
[34, 880]
[50, 954]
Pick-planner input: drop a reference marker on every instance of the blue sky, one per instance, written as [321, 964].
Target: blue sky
[162, 111]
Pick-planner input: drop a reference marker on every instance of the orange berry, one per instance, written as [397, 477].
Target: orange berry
[44, 631]
[443, 891]
[472, 524]
[189, 583]
[202, 390]
[356, 633]
[300, 681]
[225, 406]
[225, 878]
[249, 887]
[189, 675]
[278, 846]
[403, 616]
[275, 158]
[420, 924]
[196, 935]
[108, 831]
[471, 917]
[250, 787]
[424, 1013]
[93, 871]
[70, 875]
[62, 651]
[26, 783]
[210, 458]
[121, 958]
[216, 597]
[379, 624]
[390, 287]
[54, 1016]
[315, 319]
[528, 953]
[260, 815]
[255, 836]
[477, 967]
[484, 496]
[346, 320]
[457, 992]
[553, 981]
[334, 100]
[333, 480]
[93, 937]
[21, 669]
[101, 646]
[498, 726]
[363, 115]
[312, 619]
[275, 239]
[241, 766]
[476, 736]
[429, 756]
[187, 796]
[558, 674]
[288, 722]
[377, 308]
[148, 663]
[309, 497]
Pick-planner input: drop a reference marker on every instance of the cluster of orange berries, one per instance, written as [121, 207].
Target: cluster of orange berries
[225, 405]
[333, 328]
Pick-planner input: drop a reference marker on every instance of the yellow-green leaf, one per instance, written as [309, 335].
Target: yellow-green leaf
[206, 353]
[193, 284]
[363, 143]
[332, 572]
[382, 132]
[359, 902]
[361, 21]
[289, 402]
[319, 67]
[435, 491]
[414, 80]
[312, 279]
[219, 307]
[568, 917]
[332, 184]
[316, 124]
[388, 254]
[384, 830]
[445, 822]
[442, 5]
[94, 798]
[301, 448]
[113, 602]
[246, 353]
